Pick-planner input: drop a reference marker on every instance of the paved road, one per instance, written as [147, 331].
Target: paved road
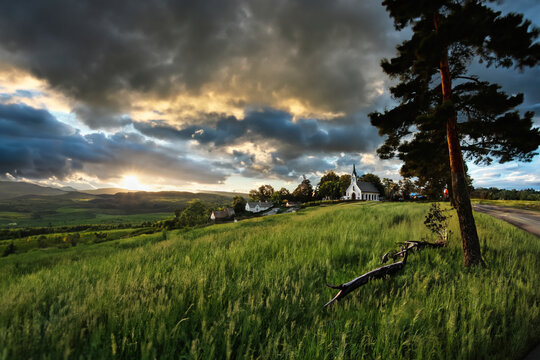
[523, 219]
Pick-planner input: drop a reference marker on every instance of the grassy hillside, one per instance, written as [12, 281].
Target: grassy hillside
[255, 289]
[11, 189]
[519, 204]
[76, 208]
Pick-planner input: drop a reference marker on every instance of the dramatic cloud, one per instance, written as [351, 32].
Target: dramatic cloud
[281, 53]
[292, 138]
[202, 91]
[33, 144]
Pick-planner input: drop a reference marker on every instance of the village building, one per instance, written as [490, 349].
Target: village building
[222, 215]
[360, 190]
[256, 207]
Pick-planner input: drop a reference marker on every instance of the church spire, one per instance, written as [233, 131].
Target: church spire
[354, 170]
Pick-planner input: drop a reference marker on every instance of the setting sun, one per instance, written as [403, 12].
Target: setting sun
[131, 182]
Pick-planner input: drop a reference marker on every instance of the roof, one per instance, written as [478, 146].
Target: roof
[260, 203]
[223, 214]
[367, 187]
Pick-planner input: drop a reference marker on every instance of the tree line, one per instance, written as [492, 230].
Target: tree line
[503, 194]
[332, 186]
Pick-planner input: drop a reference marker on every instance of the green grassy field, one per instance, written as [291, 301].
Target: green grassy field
[255, 289]
[80, 208]
[519, 204]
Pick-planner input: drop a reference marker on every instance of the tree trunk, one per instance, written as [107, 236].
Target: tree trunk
[469, 236]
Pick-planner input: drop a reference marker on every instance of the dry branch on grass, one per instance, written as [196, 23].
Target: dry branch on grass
[412, 245]
[379, 273]
[383, 271]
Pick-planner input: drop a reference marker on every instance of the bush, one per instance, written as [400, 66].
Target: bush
[10, 249]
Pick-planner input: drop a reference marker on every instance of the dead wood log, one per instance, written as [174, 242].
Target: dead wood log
[379, 273]
[412, 245]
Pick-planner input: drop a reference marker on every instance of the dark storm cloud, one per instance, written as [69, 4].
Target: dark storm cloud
[33, 144]
[300, 146]
[292, 138]
[320, 52]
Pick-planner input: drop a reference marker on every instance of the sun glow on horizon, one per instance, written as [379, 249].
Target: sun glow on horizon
[132, 182]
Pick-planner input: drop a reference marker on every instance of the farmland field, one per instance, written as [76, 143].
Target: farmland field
[81, 208]
[518, 204]
[256, 289]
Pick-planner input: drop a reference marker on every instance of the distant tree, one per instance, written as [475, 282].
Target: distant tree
[276, 198]
[329, 176]
[194, 214]
[238, 204]
[265, 192]
[254, 195]
[285, 194]
[344, 183]
[328, 186]
[446, 36]
[304, 191]
[407, 187]
[390, 188]
[504, 194]
[329, 189]
[374, 179]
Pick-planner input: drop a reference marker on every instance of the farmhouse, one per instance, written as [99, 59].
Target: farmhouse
[360, 190]
[255, 207]
[222, 215]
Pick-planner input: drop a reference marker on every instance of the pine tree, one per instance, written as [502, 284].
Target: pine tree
[473, 116]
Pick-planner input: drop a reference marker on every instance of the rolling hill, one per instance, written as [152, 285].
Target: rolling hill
[12, 189]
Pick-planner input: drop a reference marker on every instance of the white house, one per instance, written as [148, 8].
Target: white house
[361, 190]
[255, 207]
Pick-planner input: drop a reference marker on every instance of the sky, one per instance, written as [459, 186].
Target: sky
[208, 95]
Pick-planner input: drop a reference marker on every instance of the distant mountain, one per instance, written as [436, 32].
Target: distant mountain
[68, 188]
[11, 189]
[106, 191]
[224, 193]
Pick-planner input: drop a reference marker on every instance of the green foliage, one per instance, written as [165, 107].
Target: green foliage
[276, 198]
[437, 221]
[42, 241]
[239, 204]
[329, 176]
[10, 249]
[505, 194]
[489, 127]
[255, 289]
[330, 190]
[407, 187]
[76, 209]
[196, 213]
[344, 182]
[285, 194]
[264, 193]
[391, 189]
[304, 191]
[329, 186]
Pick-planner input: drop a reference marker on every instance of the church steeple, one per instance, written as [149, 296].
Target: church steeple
[354, 170]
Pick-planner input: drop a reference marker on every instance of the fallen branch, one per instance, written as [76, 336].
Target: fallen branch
[379, 273]
[412, 245]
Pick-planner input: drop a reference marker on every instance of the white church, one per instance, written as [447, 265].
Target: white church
[361, 190]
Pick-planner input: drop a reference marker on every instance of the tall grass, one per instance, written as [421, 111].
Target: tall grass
[519, 204]
[255, 289]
